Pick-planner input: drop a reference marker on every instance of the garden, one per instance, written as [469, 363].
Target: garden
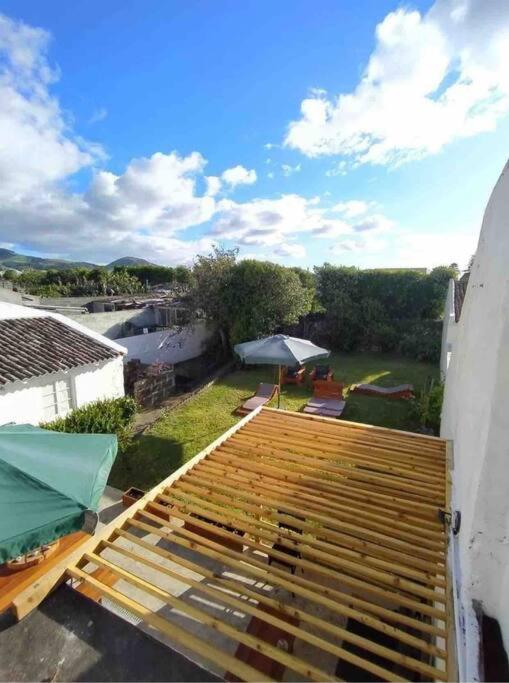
[181, 433]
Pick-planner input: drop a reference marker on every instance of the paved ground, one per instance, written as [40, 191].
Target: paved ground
[71, 638]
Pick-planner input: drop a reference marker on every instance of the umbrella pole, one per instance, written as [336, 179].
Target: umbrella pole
[279, 386]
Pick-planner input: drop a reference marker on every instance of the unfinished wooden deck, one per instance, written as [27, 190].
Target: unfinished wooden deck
[356, 506]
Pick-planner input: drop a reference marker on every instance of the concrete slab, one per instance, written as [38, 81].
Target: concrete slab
[71, 638]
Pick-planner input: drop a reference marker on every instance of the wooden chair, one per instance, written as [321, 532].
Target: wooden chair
[293, 375]
[321, 373]
[264, 394]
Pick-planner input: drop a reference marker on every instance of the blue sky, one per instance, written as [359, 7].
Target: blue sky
[116, 113]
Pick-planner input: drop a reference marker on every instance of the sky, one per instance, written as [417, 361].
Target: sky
[367, 134]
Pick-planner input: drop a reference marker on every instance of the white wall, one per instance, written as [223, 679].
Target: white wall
[21, 402]
[449, 331]
[111, 323]
[476, 416]
[167, 346]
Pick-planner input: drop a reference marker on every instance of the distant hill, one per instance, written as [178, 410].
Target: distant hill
[129, 261]
[10, 259]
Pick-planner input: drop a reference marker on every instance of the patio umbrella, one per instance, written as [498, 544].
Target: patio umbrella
[48, 480]
[280, 349]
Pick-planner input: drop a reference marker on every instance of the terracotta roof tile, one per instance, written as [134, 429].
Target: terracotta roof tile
[30, 347]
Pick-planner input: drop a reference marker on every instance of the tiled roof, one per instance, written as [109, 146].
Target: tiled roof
[30, 347]
[460, 289]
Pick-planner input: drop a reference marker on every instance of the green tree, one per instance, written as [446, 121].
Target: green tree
[263, 297]
[211, 276]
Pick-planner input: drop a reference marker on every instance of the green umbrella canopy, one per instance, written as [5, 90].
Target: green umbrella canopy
[280, 349]
[47, 482]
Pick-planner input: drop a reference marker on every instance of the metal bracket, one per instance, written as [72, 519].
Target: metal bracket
[452, 519]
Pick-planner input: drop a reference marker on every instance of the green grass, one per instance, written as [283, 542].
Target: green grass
[181, 433]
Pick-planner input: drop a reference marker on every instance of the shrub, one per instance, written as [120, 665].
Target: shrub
[109, 416]
[428, 406]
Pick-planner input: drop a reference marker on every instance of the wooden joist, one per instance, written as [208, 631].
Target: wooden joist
[354, 509]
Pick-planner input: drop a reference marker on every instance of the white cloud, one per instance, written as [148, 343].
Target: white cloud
[238, 175]
[37, 145]
[431, 79]
[98, 115]
[289, 170]
[213, 185]
[290, 250]
[351, 208]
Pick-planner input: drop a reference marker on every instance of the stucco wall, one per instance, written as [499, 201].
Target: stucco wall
[167, 346]
[475, 416]
[449, 330]
[21, 402]
[112, 324]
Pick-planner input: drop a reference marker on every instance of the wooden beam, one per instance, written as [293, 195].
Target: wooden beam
[171, 631]
[305, 491]
[238, 635]
[341, 603]
[397, 434]
[287, 608]
[322, 567]
[246, 607]
[304, 443]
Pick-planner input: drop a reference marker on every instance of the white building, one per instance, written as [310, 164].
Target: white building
[475, 417]
[50, 364]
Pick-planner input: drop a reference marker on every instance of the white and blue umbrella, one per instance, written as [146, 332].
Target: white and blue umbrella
[280, 349]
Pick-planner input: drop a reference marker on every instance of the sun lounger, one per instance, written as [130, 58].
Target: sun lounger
[327, 399]
[327, 407]
[264, 394]
[400, 391]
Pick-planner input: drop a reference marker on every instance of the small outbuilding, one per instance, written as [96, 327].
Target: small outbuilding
[50, 365]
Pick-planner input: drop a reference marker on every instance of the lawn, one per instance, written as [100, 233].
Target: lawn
[183, 432]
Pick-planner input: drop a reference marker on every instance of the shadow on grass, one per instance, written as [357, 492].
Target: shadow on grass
[149, 459]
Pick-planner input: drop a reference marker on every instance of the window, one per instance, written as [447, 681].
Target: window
[56, 399]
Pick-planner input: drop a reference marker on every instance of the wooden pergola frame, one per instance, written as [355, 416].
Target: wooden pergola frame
[357, 506]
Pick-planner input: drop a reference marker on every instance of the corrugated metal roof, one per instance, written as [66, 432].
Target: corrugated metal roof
[31, 347]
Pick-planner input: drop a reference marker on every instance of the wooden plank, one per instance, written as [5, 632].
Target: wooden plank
[356, 474]
[277, 517]
[310, 550]
[452, 642]
[380, 580]
[287, 608]
[299, 486]
[175, 633]
[11, 585]
[282, 471]
[327, 448]
[342, 521]
[262, 485]
[246, 607]
[34, 594]
[357, 585]
[342, 603]
[397, 434]
[340, 436]
[240, 636]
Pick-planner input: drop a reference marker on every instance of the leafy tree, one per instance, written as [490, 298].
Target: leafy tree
[212, 275]
[262, 298]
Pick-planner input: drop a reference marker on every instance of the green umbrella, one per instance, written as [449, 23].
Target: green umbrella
[280, 349]
[48, 480]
